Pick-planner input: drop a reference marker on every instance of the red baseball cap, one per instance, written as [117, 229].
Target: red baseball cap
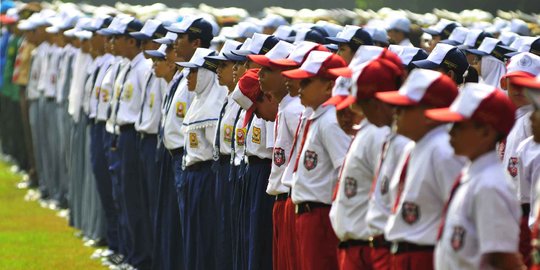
[247, 91]
[317, 64]
[423, 87]
[364, 54]
[522, 65]
[482, 103]
[298, 55]
[281, 50]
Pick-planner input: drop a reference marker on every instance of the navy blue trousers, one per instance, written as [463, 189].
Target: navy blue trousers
[167, 232]
[239, 248]
[197, 214]
[224, 228]
[132, 204]
[98, 155]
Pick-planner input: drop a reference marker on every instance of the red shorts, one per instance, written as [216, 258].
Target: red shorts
[525, 240]
[290, 238]
[354, 258]
[416, 260]
[280, 250]
[381, 258]
[317, 240]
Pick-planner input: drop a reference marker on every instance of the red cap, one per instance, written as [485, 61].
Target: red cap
[247, 92]
[317, 64]
[522, 65]
[298, 55]
[533, 83]
[5, 19]
[481, 103]
[423, 87]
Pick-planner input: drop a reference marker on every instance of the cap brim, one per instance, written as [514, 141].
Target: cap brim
[107, 32]
[444, 115]
[332, 47]
[346, 72]
[187, 65]
[476, 52]
[155, 54]
[513, 76]
[234, 57]
[335, 100]
[426, 64]
[7, 20]
[394, 98]
[284, 63]
[217, 58]
[431, 32]
[175, 30]
[140, 36]
[260, 59]
[336, 40]
[527, 82]
[450, 42]
[512, 54]
[241, 52]
[298, 74]
[165, 41]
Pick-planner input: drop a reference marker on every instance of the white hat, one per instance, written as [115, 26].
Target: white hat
[285, 32]
[519, 27]
[244, 30]
[458, 36]
[399, 23]
[274, 21]
[378, 34]
[521, 65]
[407, 54]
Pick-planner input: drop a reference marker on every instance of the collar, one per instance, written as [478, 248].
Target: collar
[284, 102]
[139, 58]
[521, 111]
[479, 164]
[430, 135]
[320, 111]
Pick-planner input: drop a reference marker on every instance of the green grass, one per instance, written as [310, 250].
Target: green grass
[35, 238]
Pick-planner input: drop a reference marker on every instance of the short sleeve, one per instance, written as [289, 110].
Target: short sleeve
[269, 134]
[446, 174]
[336, 143]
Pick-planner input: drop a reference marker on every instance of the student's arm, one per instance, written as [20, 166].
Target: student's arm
[504, 261]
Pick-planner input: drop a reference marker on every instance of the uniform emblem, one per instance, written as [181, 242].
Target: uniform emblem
[458, 234]
[97, 90]
[152, 98]
[310, 160]
[116, 92]
[180, 109]
[512, 166]
[193, 141]
[128, 92]
[525, 61]
[384, 185]
[279, 156]
[227, 133]
[256, 137]
[240, 136]
[410, 212]
[350, 187]
[105, 95]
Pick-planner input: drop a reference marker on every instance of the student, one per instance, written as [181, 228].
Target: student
[491, 66]
[198, 180]
[425, 174]
[323, 146]
[446, 59]
[469, 237]
[398, 29]
[350, 206]
[349, 40]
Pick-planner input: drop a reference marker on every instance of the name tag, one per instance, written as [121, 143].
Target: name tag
[241, 136]
[256, 137]
[228, 133]
[151, 103]
[193, 140]
[180, 109]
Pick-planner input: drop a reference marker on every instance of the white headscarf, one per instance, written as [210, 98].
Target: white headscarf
[206, 106]
[492, 71]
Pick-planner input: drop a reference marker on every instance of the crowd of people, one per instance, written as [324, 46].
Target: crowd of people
[202, 138]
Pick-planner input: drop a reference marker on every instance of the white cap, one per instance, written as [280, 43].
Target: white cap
[519, 27]
[244, 30]
[198, 58]
[459, 35]
[508, 37]
[280, 51]
[364, 54]
[405, 53]
[285, 32]
[331, 28]
[378, 34]
[399, 23]
[169, 38]
[274, 21]
[228, 46]
[472, 36]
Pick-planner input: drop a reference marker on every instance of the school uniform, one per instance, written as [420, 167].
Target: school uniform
[285, 126]
[416, 211]
[470, 230]
[236, 175]
[528, 173]
[321, 153]
[350, 206]
[382, 198]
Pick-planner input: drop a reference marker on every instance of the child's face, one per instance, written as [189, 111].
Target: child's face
[516, 94]
[160, 67]
[238, 70]
[225, 73]
[266, 107]
[535, 124]
[315, 91]
[184, 48]
[149, 45]
[345, 51]
[376, 112]
[465, 137]
[192, 79]
[410, 121]
[271, 81]
[293, 86]
[347, 119]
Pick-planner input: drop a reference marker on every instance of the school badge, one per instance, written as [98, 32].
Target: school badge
[128, 92]
[180, 109]
[512, 166]
[310, 160]
[96, 91]
[151, 102]
[350, 187]
[256, 138]
[279, 156]
[241, 136]
[193, 141]
[410, 212]
[227, 133]
[458, 234]
[105, 95]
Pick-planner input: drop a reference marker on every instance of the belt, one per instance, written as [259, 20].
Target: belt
[258, 160]
[306, 207]
[199, 166]
[124, 128]
[354, 243]
[176, 151]
[525, 209]
[379, 241]
[401, 247]
[282, 197]
[224, 159]
[143, 135]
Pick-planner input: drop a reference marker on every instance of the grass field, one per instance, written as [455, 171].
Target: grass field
[32, 237]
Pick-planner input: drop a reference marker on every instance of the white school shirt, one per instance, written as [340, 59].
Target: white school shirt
[104, 85]
[199, 145]
[45, 54]
[323, 152]
[528, 154]
[349, 209]
[483, 217]
[260, 138]
[65, 73]
[520, 131]
[174, 115]
[227, 128]
[431, 171]
[288, 118]
[94, 93]
[131, 94]
[406, 43]
[287, 176]
[111, 125]
[32, 91]
[91, 73]
[53, 64]
[151, 109]
[240, 139]
[383, 197]
[76, 89]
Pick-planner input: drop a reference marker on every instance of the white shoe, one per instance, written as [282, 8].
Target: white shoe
[97, 254]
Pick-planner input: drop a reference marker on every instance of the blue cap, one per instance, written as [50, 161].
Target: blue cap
[447, 56]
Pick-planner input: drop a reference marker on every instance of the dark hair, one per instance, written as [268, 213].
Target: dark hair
[458, 78]
[471, 75]
[205, 43]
